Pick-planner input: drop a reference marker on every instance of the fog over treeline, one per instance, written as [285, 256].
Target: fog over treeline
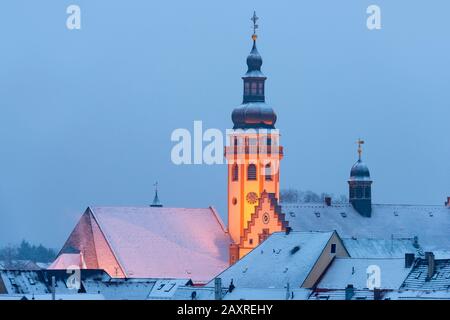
[25, 251]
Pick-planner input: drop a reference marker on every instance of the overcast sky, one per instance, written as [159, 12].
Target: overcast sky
[86, 115]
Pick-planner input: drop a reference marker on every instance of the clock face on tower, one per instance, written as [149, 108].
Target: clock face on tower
[265, 218]
[252, 197]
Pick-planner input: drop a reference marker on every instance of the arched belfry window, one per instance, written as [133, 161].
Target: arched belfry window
[268, 172]
[251, 172]
[235, 173]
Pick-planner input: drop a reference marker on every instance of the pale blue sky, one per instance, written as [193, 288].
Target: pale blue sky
[86, 116]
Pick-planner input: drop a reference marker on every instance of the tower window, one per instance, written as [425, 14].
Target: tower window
[261, 88]
[235, 173]
[268, 172]
[253, 88]
[251, 172]
[368, 193]
[359, 192]
[247, 88]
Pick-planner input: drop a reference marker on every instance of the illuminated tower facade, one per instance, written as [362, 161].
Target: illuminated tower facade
[253, 156]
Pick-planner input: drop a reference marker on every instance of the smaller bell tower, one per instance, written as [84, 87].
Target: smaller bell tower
[360, 185]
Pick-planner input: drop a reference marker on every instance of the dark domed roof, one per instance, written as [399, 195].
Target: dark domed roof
[360, 171]
[254, 63]
[254, 115]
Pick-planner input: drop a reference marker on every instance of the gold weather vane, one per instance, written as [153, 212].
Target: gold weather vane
[360, 143]
[255, 26]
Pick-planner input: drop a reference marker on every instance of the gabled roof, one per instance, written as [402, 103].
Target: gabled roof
[431, 224]
[345, 271]
[280, 259]
[159, 242]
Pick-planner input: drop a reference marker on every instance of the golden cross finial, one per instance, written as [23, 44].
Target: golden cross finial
[360, 143]
[255, 26]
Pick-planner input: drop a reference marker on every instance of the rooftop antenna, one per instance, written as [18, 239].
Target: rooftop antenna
[156, 202]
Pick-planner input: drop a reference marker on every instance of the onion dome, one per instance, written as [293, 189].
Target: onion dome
[359, 171]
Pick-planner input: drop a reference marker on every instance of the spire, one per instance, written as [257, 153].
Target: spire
[156, 202]
[360, 143]
[255, 26]
[254, 60]
[254, 113]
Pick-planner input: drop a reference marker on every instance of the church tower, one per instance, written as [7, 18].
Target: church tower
[253, 156]
[360, 186]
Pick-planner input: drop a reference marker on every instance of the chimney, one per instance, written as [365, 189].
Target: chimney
[53, 287]
[288, 230]
[328, 201]
[349, 292]
[409, 260]
[447, 203]
[429, 257]
[376, 294]
[217, 288]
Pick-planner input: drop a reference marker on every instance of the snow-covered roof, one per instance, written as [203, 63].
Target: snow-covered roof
[18, 283]
[159, 242]
[194, 293]
[77, 296]
[364, 294]
[150, 242]
[429, 223]
[38, 282]
[164, 289]
[275, 262]
[417, 295]
[345, 271]
[20, 265]
[120, 289]
[68, 261]
[417, 279]
[268, 294]
[380, 248]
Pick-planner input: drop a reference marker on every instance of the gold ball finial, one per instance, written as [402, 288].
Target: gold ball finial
[254, 37]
